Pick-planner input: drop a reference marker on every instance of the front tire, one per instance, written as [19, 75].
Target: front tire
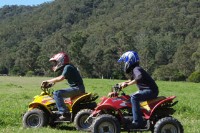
[35, 118]
[80, 120]
[105, 124]
[168, 125]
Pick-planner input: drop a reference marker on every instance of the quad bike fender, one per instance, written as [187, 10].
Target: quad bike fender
[168, 99]
[100, 108]
[87, 97]
[40, 106]
[79, 98]
[42, 102]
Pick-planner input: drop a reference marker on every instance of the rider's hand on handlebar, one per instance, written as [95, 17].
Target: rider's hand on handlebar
[112, 94]
[123, 85]
[46, 84]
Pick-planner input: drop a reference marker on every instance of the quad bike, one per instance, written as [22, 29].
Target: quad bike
[114, 114]
[41, 109]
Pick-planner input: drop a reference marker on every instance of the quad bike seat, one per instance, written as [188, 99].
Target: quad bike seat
[147, 104]
[71, 100]
[75, 97]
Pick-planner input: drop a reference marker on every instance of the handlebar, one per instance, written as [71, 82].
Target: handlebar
[116, 88]
[115, 91]
[45, 86]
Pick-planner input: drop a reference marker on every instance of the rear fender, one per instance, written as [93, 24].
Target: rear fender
[80, 98]
[87, 98]
[167, 100]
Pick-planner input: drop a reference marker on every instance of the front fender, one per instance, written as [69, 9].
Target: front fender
[43, 102]
[40, 106]
[104, 107]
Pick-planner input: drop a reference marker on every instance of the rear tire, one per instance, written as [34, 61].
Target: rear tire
[105, 124]
[168, 125]
[35, 118]
[79, 120]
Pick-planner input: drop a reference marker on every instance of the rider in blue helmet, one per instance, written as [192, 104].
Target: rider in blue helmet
[147, 88]
[130, 59]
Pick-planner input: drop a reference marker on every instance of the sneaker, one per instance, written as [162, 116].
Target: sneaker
[64, 117]
[67, 115]
[136, 125]
[57, 112]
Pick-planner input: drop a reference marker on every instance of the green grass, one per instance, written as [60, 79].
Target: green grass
[17, 92]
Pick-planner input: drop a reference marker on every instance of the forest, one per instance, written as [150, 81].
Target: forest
[165, 33]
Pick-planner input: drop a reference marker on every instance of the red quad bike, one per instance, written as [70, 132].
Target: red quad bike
[114, 114]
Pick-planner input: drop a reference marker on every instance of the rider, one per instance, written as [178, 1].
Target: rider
[72, 75]
[146, 85]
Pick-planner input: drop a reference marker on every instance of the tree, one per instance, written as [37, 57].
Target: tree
[195, 77]
[27, 55]
[169, 73]
[3, 70]
[196, 58]
[183, 61]
[78, 41]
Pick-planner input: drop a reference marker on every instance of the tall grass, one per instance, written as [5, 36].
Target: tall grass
[17, 92]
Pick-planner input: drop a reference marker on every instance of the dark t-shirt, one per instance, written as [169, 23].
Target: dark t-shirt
[144, 80]
[72, 75]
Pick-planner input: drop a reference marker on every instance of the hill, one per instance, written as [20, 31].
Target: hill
[96, 32]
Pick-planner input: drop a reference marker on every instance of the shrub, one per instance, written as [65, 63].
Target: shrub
[194, 77]
[168, 73]
[3, 70]
[30, 73]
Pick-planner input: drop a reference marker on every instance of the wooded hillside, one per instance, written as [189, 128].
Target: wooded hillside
[165, 33]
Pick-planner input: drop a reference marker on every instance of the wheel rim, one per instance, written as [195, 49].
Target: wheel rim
[83, 123]
[169, 128]
[33, 120]
[106, 127]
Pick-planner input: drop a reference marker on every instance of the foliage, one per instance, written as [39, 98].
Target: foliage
[168, 72]
[30, 73]
[3, 70]
[96, 32]
[194, 77]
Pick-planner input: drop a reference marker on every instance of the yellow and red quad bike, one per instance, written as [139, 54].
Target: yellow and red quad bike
[40, 111]
[114, 114]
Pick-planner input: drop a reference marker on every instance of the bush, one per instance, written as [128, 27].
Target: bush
[168, 73]
[17, 71]
[30, 73]
[3, 70]
[194, 77]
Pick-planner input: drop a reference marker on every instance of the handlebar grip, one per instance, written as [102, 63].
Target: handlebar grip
[125, 85]
[46, 85]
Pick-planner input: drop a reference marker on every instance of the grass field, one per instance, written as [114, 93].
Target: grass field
[17, 92]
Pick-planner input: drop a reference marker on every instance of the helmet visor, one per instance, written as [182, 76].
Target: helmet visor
[120, 60]
[123, 58]
[53, 63]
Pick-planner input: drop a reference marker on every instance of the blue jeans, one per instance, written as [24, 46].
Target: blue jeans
[69, 92]
[141, 95]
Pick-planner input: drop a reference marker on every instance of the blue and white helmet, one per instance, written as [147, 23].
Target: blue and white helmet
[129, 58]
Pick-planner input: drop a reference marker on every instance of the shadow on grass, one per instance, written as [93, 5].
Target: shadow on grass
[65, 127]
[2, 123]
